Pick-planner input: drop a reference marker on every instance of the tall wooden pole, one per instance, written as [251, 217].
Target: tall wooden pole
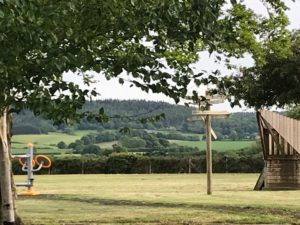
[208, 154]
[206, 115]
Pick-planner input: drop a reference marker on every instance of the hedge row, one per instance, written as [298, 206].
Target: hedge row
[132, 164]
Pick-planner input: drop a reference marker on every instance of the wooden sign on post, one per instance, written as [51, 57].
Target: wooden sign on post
[207, 115]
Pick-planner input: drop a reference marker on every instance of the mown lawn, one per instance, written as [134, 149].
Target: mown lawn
[216, 145]
[156, 199]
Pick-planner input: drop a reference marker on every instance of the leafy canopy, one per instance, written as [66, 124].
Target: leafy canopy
[276, 82]
[153, 41]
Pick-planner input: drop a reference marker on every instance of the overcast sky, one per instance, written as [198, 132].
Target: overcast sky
[113, 90]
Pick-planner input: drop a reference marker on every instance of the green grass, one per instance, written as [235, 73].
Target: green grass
[107, 145]
[216, 145]
[45, 143]
[51, 138]
[156, 199]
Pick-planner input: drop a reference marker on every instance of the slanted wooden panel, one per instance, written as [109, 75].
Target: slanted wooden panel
[286, 127]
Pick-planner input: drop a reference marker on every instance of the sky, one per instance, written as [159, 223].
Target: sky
[113, 90]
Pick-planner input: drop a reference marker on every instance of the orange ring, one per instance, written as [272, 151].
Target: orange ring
[43, 159]
[22, 161]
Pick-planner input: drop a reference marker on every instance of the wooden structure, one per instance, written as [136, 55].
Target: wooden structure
[280, 137]
[206, 116]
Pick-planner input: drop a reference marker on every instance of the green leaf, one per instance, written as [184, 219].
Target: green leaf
[94, 93]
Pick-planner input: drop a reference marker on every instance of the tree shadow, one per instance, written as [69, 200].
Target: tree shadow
[225, 208]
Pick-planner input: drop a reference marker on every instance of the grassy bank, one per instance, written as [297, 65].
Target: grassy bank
[156, 199]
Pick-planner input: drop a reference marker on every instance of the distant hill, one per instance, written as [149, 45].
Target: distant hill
[241, 125]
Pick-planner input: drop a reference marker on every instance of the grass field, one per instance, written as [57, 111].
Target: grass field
[45, 142]
[107, 145]
[156, 199]
[216, 145]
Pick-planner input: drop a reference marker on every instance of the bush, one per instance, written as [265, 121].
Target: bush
[243, 161]
[91, 149]
[132, 142]
[120, 163]
[61, 145]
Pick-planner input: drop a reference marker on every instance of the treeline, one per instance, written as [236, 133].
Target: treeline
[128, 113]
[26, 123]
[247, 161]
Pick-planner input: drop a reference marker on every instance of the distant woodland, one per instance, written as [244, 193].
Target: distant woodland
[128, 113]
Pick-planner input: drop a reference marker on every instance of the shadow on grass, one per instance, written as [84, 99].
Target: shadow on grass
[249, 210]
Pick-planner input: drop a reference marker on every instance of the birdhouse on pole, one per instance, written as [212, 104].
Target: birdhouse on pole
[205, 114]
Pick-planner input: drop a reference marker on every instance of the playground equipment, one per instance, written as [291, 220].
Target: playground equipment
[28, 163]
[280, 138]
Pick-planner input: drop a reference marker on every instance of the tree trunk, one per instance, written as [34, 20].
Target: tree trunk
[7, 188]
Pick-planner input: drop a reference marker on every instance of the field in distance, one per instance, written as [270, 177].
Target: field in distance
[216, 145]
[155, 199]
[46, 143]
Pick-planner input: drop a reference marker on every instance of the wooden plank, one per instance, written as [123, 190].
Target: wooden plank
[290, 127]
[271, 145]
[292, 180]
[211, 113]
[260, 183]
[282, 186]
[298, 135]
[208, 155]
[295, 134]
[274, 136]
[264, 136]
[212, 131]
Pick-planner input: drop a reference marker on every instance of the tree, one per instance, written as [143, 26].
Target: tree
[164, 142]
[233, 135]
[91, 149]
[142, 38]
[87, 140]
[219, 136]
[132, 142]
[294, 112]
[61, 145]
[26, 129]
[274, 83]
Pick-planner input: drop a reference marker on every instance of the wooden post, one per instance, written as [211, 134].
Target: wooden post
[150, 167]
[204, 113]
[208, 154]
